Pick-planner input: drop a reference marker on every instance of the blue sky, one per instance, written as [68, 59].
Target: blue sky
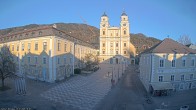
[156, 18]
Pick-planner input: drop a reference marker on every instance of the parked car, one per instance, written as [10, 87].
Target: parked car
[184, 107]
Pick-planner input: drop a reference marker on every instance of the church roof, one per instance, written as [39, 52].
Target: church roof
[104, 14]
[124, 14]
[170, 46]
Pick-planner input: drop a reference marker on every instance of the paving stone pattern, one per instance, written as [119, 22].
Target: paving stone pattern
[83, 92]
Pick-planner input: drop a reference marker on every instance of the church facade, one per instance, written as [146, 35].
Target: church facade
[115, 41]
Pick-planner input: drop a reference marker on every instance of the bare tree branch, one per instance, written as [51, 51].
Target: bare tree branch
[185, 39]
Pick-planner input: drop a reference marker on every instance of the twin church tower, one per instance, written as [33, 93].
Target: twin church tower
[114, 41]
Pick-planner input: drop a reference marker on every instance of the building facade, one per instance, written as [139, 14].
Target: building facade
[114, 41]
[167, 66]
[47, 53]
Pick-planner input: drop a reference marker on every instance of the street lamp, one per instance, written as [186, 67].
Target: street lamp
[118, 72]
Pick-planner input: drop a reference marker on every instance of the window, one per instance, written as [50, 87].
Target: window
[12, 47]
[59, 45]
[125, 52]
[103, 32]
[103, 52]
[182, 77]
[172, 77]
[64, 60]
[103, 45]
[17, 58]
[124, 32]
[70, 60]
[22, 47]
[111, 51]
[58, 60]
[116, 34]
[79, 50]
[44, 46]
[191, 76]
[36, 45]
[29, 59]
[29, 46]
[111, 44]
[17, 48]
[192, 62]
[44, 60]
[124, 44]
[173, 63]
[116, 52]
[160, 78]
[161, 63]
[71, 47]
[183, 62]
[116, 44]
[35, 60]
[65, 47]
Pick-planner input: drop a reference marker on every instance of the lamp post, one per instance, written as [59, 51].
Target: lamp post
[122, 65]
[118, 72]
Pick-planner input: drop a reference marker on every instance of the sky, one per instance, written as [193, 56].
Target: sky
[153, 18]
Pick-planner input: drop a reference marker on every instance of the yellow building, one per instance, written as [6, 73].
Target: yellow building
[115, 43]
[168, 66]
[47, 53]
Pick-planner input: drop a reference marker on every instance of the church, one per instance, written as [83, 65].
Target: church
[115, 46]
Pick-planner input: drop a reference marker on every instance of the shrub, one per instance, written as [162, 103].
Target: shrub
[77, 71]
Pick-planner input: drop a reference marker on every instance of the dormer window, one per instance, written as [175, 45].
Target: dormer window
[20, 35]
[32, 34]
[26, 35]
[40, 32]
[60, 33]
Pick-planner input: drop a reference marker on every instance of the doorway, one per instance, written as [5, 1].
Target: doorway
[116, 60]
[44, 74]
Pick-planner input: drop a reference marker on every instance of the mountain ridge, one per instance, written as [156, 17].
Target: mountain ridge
[88, 34]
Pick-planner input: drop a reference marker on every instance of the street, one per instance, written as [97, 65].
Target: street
[129, 94]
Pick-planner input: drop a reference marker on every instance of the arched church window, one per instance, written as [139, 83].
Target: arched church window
[103, 32]
[125, 32]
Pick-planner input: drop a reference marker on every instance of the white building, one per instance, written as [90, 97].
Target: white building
[168, 65]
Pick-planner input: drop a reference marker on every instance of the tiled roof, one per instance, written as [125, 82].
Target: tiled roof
[45, 31]
[170, 46]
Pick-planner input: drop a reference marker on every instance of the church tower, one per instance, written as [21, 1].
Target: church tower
[104, 25]
[125, 37]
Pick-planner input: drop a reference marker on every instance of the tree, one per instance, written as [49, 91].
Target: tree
[90, 59]
[185, 39]
[7, 65]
